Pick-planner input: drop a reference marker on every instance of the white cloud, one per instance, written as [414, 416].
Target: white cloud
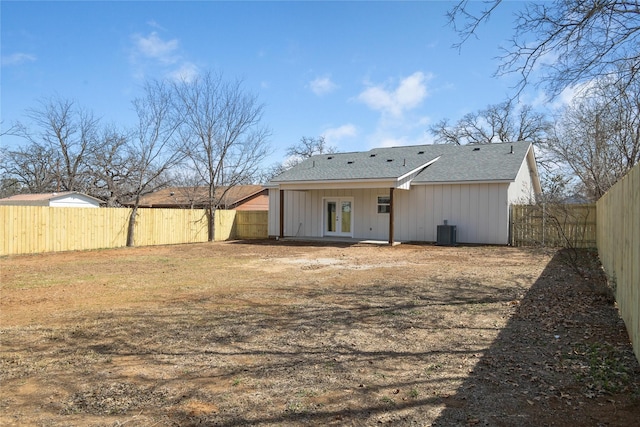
[17, 59]
[333, 135]
[541, 99]
[151, 54]
[570, 93]
[397, 138]
[154, 47]
[154, 24]
[322, 85]
[409, 94]
[187, 72]
[401, 121]
[388, 141]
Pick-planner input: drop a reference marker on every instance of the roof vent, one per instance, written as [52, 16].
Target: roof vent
[476, 149]
[350, 162]
[330, 157]
[372, 155]
[389, 160]
[420, 152]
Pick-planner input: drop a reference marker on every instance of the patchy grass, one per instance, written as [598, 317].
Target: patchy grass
[272, 333]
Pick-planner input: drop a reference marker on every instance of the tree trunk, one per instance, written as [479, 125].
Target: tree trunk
[132, 226]
[211, 216]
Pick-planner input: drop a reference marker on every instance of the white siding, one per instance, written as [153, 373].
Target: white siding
[299, 213]
[304, 212]
[274, 212]
[522, 189]
[74, 201]
[480, 212]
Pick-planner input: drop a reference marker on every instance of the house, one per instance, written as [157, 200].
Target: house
[65, 199]
[238, 197]
[404, 193]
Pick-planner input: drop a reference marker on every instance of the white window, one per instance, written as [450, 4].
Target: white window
[384, 204]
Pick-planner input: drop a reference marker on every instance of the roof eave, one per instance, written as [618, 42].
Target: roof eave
[533, 167]
[337, 183]
[481, 181]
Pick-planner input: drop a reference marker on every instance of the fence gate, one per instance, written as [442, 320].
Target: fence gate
[554, 225]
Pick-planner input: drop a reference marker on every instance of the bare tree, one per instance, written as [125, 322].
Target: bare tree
[30, 168]
[271, 172]
[307, 147]
[188, 190]
[222, 135]
[587, 39]
[153, 150]
[11, 130]
[66, 132]
[496, 123]
[597, 137]
[111, 165]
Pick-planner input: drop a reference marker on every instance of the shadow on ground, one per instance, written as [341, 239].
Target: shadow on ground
[564, 358]
[340, 347]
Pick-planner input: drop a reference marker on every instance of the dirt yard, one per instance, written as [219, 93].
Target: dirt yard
[279, 333]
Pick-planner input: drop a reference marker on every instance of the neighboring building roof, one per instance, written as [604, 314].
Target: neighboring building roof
[439, 163]
[192, 197]
[43, 199]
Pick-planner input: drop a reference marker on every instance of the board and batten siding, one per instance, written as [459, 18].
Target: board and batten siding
[304, 212]
[480, 212]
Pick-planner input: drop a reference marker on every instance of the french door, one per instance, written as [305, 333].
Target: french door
[338, 217]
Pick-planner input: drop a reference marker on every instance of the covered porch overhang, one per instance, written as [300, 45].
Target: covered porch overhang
[392, 185]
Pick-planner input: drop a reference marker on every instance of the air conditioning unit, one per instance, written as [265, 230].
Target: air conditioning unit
[446, 235]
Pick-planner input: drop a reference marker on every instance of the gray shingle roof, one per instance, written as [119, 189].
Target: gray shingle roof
[490, 162]
[380, 163]
[456, 163]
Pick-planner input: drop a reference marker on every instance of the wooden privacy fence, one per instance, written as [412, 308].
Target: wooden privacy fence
[35, 229]
[619, 248]
[232, 224]
[554, 225]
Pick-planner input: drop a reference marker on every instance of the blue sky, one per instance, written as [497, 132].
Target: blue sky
[363, 74]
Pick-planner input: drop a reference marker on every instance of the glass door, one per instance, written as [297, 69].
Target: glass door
[345, 217]
[338, 218]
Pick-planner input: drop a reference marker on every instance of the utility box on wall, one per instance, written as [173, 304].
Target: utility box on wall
[446, 234]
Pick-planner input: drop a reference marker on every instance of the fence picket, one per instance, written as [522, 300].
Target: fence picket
[554, 225]
[36, 229]
[619, 248]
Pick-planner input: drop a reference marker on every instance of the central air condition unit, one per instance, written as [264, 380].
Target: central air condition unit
[446, 235]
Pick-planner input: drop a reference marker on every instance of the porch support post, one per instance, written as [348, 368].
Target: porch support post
[281, 214]
[391, 209]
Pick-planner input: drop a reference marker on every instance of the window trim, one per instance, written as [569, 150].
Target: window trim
[383, 207]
